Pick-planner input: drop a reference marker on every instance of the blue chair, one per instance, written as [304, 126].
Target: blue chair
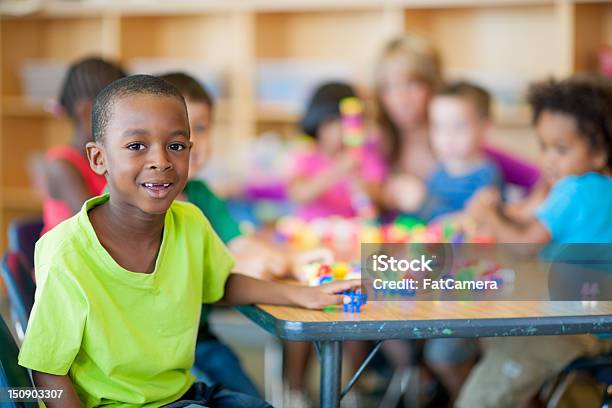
[23, 234]
[598, 367]
[11, 374]
[21, 288]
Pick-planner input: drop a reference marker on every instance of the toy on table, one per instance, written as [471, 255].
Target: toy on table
[319, 273]
[336, 232]
[353, 301]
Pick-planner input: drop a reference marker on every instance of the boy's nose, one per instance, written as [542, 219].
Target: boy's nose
[159, 160]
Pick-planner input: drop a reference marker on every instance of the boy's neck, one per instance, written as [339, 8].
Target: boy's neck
[123, 225]
[131, 222]
[464, 165]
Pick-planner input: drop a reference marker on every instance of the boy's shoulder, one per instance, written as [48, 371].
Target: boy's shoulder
[585, 183]
[64, 238]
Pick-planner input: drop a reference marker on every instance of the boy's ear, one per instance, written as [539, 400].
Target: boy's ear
[97, 158]
[600, 159]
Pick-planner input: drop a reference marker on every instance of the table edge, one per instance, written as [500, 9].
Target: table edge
[425, 329]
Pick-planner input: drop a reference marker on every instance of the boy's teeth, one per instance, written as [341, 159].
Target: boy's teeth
[156, 185]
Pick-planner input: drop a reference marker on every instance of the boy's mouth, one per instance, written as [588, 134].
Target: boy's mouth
[158, 190]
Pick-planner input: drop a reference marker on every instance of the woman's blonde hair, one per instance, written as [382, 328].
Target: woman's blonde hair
[422, 63]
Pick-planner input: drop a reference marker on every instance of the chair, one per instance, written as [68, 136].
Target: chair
[21, 288]
[23, 234]
[11, 374]
[598, 367]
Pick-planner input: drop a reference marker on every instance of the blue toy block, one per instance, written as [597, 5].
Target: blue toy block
[356, 300]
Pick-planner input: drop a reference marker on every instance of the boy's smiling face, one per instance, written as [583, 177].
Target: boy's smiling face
[144, 152]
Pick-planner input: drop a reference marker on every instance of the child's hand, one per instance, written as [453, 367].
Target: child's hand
[317, 297]
[300, 259]
[258, 259]
[484, 202]
[405, 193]
[347, 163]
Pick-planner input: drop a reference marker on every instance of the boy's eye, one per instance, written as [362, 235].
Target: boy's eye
[135, 146]
[561, 149]
[176, 146]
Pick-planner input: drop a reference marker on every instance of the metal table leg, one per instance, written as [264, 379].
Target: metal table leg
[331, 372]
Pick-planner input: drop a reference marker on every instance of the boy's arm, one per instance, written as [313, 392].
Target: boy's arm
[69, 398]
[485, 209]
[525, 209]
[241, 289]
[506, 230]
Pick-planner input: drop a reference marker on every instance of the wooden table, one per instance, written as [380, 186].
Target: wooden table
[422, 320]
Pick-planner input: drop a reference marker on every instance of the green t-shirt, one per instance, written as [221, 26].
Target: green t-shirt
[223, 223]
[126, 339]
[214, 209]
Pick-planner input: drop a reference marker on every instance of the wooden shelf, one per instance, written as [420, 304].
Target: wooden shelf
[58, 8]
[17, 106]
[276, 115]
[21, 199]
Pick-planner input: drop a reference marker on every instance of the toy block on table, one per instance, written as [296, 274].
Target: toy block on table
[353, 301]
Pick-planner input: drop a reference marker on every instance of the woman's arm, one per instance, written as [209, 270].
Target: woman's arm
[69, 398]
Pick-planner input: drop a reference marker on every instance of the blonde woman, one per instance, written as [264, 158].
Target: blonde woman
[407, 77]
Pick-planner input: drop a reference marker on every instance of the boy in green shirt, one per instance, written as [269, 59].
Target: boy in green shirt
[120, 284]
[215, 360]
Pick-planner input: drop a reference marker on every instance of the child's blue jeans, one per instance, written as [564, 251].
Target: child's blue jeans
[202, 395]
[219, 364]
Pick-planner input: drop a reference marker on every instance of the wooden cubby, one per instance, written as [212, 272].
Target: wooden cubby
[507, 42]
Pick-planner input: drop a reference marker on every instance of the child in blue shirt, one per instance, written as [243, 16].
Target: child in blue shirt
[574, 126]
[460, 122]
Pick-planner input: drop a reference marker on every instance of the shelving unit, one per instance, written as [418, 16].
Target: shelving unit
[505, 43]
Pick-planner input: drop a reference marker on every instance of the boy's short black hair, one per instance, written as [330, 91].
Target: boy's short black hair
[189, 87]
[472, 93]
[324, 105]
[131, 85]
[85, 79]
[586, 98]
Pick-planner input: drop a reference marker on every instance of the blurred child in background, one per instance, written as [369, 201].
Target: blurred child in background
[260, 260]
[69, 180]
[213, 358]
[460, 123]
[324, 178]
[574, 126]
[329, 180]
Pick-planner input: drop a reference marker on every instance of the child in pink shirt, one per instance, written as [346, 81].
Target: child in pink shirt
[331, 178]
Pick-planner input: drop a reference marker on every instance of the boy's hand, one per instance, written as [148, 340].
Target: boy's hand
[484, 204]
[317, 297]
[406, 193]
